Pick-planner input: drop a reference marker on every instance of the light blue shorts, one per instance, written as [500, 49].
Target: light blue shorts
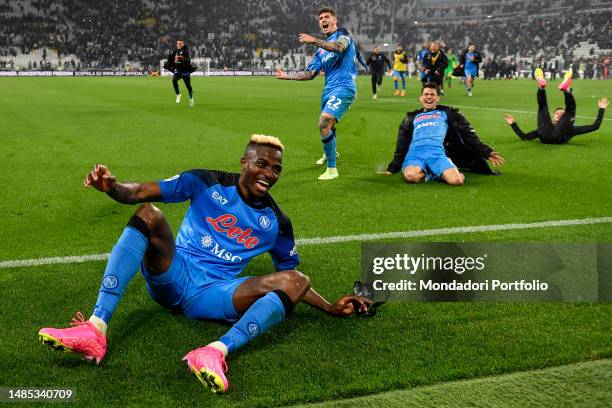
[337, 101]
[433, 162]
[470, 73]
[175, 290]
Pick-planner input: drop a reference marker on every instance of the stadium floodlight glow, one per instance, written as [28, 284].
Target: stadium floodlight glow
[416, 22]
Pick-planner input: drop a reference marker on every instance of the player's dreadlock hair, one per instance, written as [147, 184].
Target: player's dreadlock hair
[327, 10]
[264, 140]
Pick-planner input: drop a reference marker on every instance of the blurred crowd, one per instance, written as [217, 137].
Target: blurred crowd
[114, 34]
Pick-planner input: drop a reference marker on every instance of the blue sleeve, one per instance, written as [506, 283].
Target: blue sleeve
[284, 253]
[182, 187]
[361, 61]
[315, 65]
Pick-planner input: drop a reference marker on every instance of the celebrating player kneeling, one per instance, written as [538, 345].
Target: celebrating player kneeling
[430, 137]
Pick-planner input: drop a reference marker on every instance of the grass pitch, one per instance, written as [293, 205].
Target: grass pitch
[53, 130]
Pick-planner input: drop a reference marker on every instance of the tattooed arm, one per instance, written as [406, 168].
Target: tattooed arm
[333, 46]
[296, 76]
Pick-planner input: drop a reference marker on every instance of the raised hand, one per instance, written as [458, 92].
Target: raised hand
[307, 39]
[280, 74]
[509, 119]
[100, 178]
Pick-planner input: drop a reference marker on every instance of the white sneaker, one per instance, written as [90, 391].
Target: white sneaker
[330, 174]
[469, 93]
[323, 159]
[178, 98]
[374, 96]
[191, 102]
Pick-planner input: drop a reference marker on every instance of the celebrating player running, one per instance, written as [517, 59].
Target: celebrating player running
[336, 57]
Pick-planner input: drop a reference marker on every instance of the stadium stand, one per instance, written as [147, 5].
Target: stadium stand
[70, 34]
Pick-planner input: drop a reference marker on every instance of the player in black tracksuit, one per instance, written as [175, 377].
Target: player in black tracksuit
[461, 144]
[434, 64]
[376, 62]
[560, 128]
[179, 62]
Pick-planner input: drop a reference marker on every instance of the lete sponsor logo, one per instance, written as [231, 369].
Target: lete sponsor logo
[226, 224]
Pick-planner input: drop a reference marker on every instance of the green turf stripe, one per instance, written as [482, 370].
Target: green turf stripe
[585, 384]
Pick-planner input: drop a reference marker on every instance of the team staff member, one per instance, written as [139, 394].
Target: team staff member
[376, 63]
[434, 64]
[179, 62]
[560, 128]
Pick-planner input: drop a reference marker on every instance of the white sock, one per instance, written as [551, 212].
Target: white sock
[219, 346]
[99, 323]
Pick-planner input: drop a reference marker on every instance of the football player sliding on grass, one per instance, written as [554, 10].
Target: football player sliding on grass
[231, 219]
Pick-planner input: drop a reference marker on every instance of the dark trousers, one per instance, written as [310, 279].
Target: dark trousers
[562, 131]
[377, 78]
[435, 79]
[186, 78]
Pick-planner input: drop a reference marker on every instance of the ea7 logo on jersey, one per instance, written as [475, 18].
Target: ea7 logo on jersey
[218, 197]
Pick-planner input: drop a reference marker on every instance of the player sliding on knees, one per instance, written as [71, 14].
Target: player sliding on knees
[336, 57]
[560, 128]
[428, 136]
[232, 218]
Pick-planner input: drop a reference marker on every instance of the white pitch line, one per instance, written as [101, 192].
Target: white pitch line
[491, 109]
[343, 238]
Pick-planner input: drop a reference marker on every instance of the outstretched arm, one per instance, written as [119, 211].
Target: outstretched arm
[524, 136]
[296, 76]
[580, 130]
[102, 180]
[345, 306]
[333, 46]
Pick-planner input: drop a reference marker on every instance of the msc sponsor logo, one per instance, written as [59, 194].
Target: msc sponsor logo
[226, 224]
[426, 124]
[327, 56]
[207, 241]
[224, 254]
[220, 252]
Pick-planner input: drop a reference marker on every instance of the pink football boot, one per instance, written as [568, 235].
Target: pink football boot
[83, 339]
[208, 364]
[567, 80]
